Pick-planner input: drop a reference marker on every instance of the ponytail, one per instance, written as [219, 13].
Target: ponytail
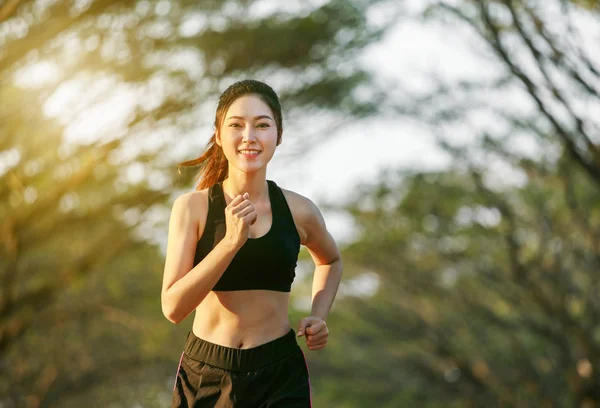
[213, 165]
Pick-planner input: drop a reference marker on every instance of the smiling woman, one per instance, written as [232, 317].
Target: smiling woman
[248, 134]
[214, 164]
[231, 256]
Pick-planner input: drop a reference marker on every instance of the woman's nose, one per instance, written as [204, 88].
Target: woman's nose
[248, 134]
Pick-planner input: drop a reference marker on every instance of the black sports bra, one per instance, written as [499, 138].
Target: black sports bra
[268, 262]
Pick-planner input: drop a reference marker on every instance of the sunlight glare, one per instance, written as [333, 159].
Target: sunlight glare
[37, 75]
[86, 121]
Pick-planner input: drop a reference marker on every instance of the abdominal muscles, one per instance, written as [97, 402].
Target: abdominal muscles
[242, 319]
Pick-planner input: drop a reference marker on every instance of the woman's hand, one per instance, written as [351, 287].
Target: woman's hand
[239, 216]
[315, 331]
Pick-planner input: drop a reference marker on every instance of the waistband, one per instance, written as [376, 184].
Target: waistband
[244, 360]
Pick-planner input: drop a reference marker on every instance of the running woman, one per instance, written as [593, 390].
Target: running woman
[232, 251]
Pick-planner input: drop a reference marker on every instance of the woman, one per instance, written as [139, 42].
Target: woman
[232, 249]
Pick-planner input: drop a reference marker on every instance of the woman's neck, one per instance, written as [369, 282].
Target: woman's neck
[255, 185]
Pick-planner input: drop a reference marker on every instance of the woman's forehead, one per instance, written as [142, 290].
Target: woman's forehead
[249, 106]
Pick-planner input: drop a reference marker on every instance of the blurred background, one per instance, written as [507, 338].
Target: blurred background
[453, 147]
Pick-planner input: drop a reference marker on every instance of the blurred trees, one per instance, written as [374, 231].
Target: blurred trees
[488, 272]
[84, 201]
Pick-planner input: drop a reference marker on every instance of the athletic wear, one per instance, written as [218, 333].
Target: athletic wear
[272, 375]
[267, 262]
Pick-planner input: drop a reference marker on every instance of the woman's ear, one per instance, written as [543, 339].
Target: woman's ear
[217, 138]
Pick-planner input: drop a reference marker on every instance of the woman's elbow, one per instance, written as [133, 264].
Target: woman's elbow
[172, 317]
[169, 311]
[337, 265]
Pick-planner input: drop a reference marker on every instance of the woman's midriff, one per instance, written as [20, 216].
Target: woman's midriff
[242, 319]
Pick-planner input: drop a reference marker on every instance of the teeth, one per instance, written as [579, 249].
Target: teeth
[252, 152]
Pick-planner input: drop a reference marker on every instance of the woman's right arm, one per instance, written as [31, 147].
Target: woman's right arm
[184, 287]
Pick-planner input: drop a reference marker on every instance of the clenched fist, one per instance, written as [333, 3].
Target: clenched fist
[315, 331]
[240, 214]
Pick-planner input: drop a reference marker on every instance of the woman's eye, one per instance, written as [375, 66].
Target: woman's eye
[263, 125]
[234, 125]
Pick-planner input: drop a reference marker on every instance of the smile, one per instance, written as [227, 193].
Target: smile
[248, 152]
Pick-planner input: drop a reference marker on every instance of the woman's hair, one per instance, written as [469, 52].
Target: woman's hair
[213, 163]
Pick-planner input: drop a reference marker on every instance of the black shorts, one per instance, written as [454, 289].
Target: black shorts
[272, 375]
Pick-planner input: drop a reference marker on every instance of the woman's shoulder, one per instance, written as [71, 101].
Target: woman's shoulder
[297, 201]
[191, 204]
[307, 217]
[303, 209]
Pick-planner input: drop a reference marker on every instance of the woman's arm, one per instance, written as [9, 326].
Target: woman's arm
[184, 287]
[328, 263]
[328, 269]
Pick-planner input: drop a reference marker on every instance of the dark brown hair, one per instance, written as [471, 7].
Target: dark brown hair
[213, 163]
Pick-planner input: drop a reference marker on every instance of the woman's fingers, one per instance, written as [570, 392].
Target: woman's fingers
[245, 211]
[239, 215]
[315, 345]
[316, 339]
[316, 327]
[240, 206]
[236, 200]
[317, 335]
[251, 217]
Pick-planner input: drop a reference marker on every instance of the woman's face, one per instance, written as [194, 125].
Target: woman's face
[248, 134]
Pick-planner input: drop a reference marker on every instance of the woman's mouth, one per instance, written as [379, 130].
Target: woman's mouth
[249, 152]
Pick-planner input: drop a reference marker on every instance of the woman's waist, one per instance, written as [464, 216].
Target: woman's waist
[237, 336]
[246, 326]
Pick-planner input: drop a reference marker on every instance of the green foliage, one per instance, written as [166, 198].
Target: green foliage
[487, 271]
[481, 292]
[83, 220]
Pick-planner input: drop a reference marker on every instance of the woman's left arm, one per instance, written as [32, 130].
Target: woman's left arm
[328, 272]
